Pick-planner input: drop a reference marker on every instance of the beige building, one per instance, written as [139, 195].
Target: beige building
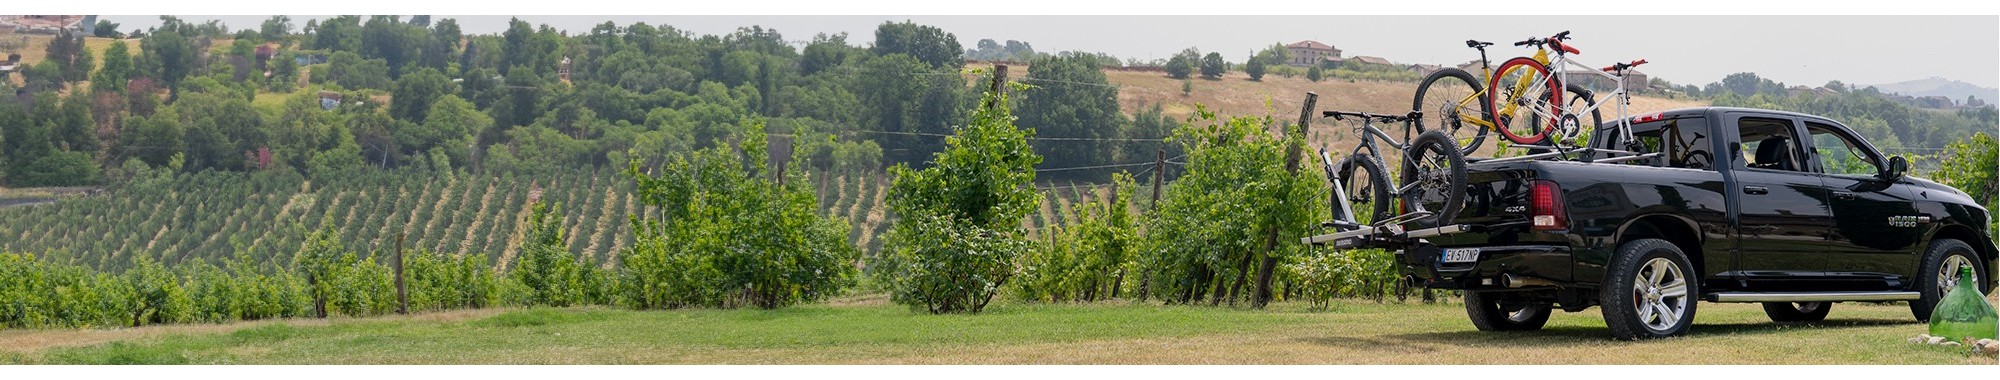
[1309, 52]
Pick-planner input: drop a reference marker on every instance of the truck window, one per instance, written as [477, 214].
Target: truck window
[1839, 154]
[1769, 144]
[1683, 142]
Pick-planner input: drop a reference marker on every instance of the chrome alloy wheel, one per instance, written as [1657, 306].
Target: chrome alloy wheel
[1659, 294]
[1947, 275]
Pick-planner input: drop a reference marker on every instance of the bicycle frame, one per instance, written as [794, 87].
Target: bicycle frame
[1486, 75]
[1618, 96]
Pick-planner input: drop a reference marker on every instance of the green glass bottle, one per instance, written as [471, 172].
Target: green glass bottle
[1964, 312]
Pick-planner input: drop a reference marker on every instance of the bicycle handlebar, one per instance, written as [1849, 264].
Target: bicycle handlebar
[1623, 66]
[1561, 36]
[1537, 41]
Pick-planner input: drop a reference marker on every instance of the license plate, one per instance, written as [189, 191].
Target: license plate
[1461, 255]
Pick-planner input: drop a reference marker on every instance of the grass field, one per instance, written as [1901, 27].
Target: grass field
[869, 331]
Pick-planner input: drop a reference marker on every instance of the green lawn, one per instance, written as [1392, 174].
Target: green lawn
[870, 332]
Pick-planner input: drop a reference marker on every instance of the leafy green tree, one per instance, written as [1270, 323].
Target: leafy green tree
[1276, 54]
[60, 168]
[730, 237]
[1071, 99]
[116, 71]
[826, 51]
[1212, 66]
[105, 29]
[416, 92]
[958, 235]
[69, 54]
[174, 54]
[928, 44]
[349, 70]
[1255, 68]
[449, 126]
[340, 33]
[154, 140]
[913, 108]
[1969, 165]
[1314, 74]
[1179, 67]
[276, 28]
[442, 45]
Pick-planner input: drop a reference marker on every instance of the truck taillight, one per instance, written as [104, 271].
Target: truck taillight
[1546, 207]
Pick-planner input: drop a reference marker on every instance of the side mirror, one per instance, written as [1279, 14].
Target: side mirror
[1897, 167]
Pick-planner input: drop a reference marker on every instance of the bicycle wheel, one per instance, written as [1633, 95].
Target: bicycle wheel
[1450, 101]
[1366, 185]
[1434, 172]
[1575, 121]
[1520, 89]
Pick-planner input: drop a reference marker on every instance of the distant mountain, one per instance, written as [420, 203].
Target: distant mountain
[1955, 90]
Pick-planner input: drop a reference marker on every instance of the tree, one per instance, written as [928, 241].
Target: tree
[276, 28]
[826, 51]
[910, 106]
[440, 47]
[728, 237]
[1074, 101]
[69, 54]
[174, 54]
[105, 29]
[1314, 74]
[61, 168]
[1179, 67]
[1212, 66]
[1276, 54]
[449, 126]
[1969, 165]
[340, 33]
[349, 70]
[927, 44]
[116, 71]
[1255, 68]
[957, 234]
[416, 92]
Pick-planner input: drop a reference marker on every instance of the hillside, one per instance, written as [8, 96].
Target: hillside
[1938, 86]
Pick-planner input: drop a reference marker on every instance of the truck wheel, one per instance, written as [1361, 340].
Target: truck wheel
[1939, 274]
[1797, 311]
[1489, 314]
[1648, 291]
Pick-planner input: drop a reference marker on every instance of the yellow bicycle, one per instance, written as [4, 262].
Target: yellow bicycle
[1455, 102]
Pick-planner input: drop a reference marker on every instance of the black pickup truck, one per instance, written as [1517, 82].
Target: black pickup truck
[1741, 205]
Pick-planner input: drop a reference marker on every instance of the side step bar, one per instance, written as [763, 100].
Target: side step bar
[1813, 297]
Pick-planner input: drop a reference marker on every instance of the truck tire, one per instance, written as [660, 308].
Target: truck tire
[1648, 292]
[1489, 314]
[1797, 311]
[1939, 272]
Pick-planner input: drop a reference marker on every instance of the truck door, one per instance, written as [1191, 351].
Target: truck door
[1783, 218]
[1876, 226]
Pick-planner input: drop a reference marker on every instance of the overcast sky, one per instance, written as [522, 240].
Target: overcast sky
[1798, 50]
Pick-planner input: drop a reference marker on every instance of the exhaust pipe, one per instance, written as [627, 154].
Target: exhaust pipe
[1511, 281]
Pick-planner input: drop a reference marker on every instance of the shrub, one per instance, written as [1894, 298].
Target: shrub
[958, 233]
[729, 237]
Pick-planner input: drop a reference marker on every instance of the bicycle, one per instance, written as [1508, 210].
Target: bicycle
[1431, 190]
[1539, 104]
[1457, 100]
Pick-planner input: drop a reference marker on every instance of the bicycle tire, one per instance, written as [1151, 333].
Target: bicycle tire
[1570, 106]
[1445, 112]
[1531, 131]
[1441, 193]
[1375, 189]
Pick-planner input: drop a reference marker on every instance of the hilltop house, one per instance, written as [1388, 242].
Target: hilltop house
[1425, 68]
[1635, 81]
[1309, 52]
